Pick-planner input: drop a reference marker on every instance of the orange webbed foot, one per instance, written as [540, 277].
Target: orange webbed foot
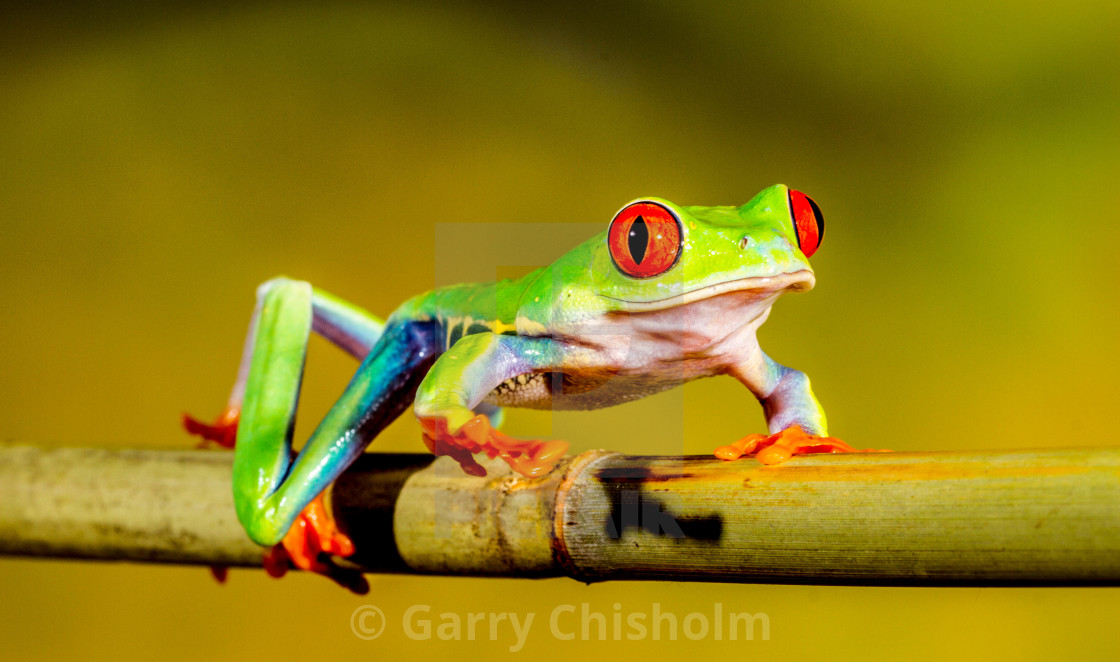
[222, 432]
[777, 448]
[313, 538]
[528, 457]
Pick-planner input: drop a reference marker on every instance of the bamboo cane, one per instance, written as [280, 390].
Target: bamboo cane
[1035, 517]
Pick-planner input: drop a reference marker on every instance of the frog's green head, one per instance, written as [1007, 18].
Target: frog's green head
[657, 255]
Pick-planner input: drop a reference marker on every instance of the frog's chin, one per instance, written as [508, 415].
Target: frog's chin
[763, 286]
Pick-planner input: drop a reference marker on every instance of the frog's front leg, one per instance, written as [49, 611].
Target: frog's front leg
[794, 416]
[458, 382]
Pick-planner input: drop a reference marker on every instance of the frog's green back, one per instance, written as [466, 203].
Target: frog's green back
[467, 308]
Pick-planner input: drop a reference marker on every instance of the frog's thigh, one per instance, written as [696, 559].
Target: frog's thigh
[347, 326]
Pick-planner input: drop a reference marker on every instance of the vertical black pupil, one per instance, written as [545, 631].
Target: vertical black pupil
[638, 239]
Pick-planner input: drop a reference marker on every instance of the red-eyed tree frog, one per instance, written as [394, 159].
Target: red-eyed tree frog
[666, 294]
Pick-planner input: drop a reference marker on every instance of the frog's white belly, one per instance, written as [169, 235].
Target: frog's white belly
[630, 356]
[553, 390]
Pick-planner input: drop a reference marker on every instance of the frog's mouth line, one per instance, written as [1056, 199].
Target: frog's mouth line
[802, 279]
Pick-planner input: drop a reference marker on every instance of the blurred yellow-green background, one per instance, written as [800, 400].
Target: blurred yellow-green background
[157, 161]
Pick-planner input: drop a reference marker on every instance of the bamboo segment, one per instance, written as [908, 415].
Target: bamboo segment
[447, 522]
[156, 506]
[984, 517]
[1037, 517]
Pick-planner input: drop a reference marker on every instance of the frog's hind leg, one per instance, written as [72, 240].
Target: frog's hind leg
[276, 497]
[261, 415]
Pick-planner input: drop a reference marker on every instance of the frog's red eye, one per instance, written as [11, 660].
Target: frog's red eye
[644, 239]
[807, 220]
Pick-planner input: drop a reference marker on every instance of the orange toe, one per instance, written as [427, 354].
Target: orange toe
[527, 457]
[222, 432]
[728, 453]
[779, 447]
[276, 561]
[774, 454]
[745, 446]
[313, 535]
[309, 545]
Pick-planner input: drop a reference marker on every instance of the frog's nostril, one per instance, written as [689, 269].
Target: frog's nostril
[744, 243]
